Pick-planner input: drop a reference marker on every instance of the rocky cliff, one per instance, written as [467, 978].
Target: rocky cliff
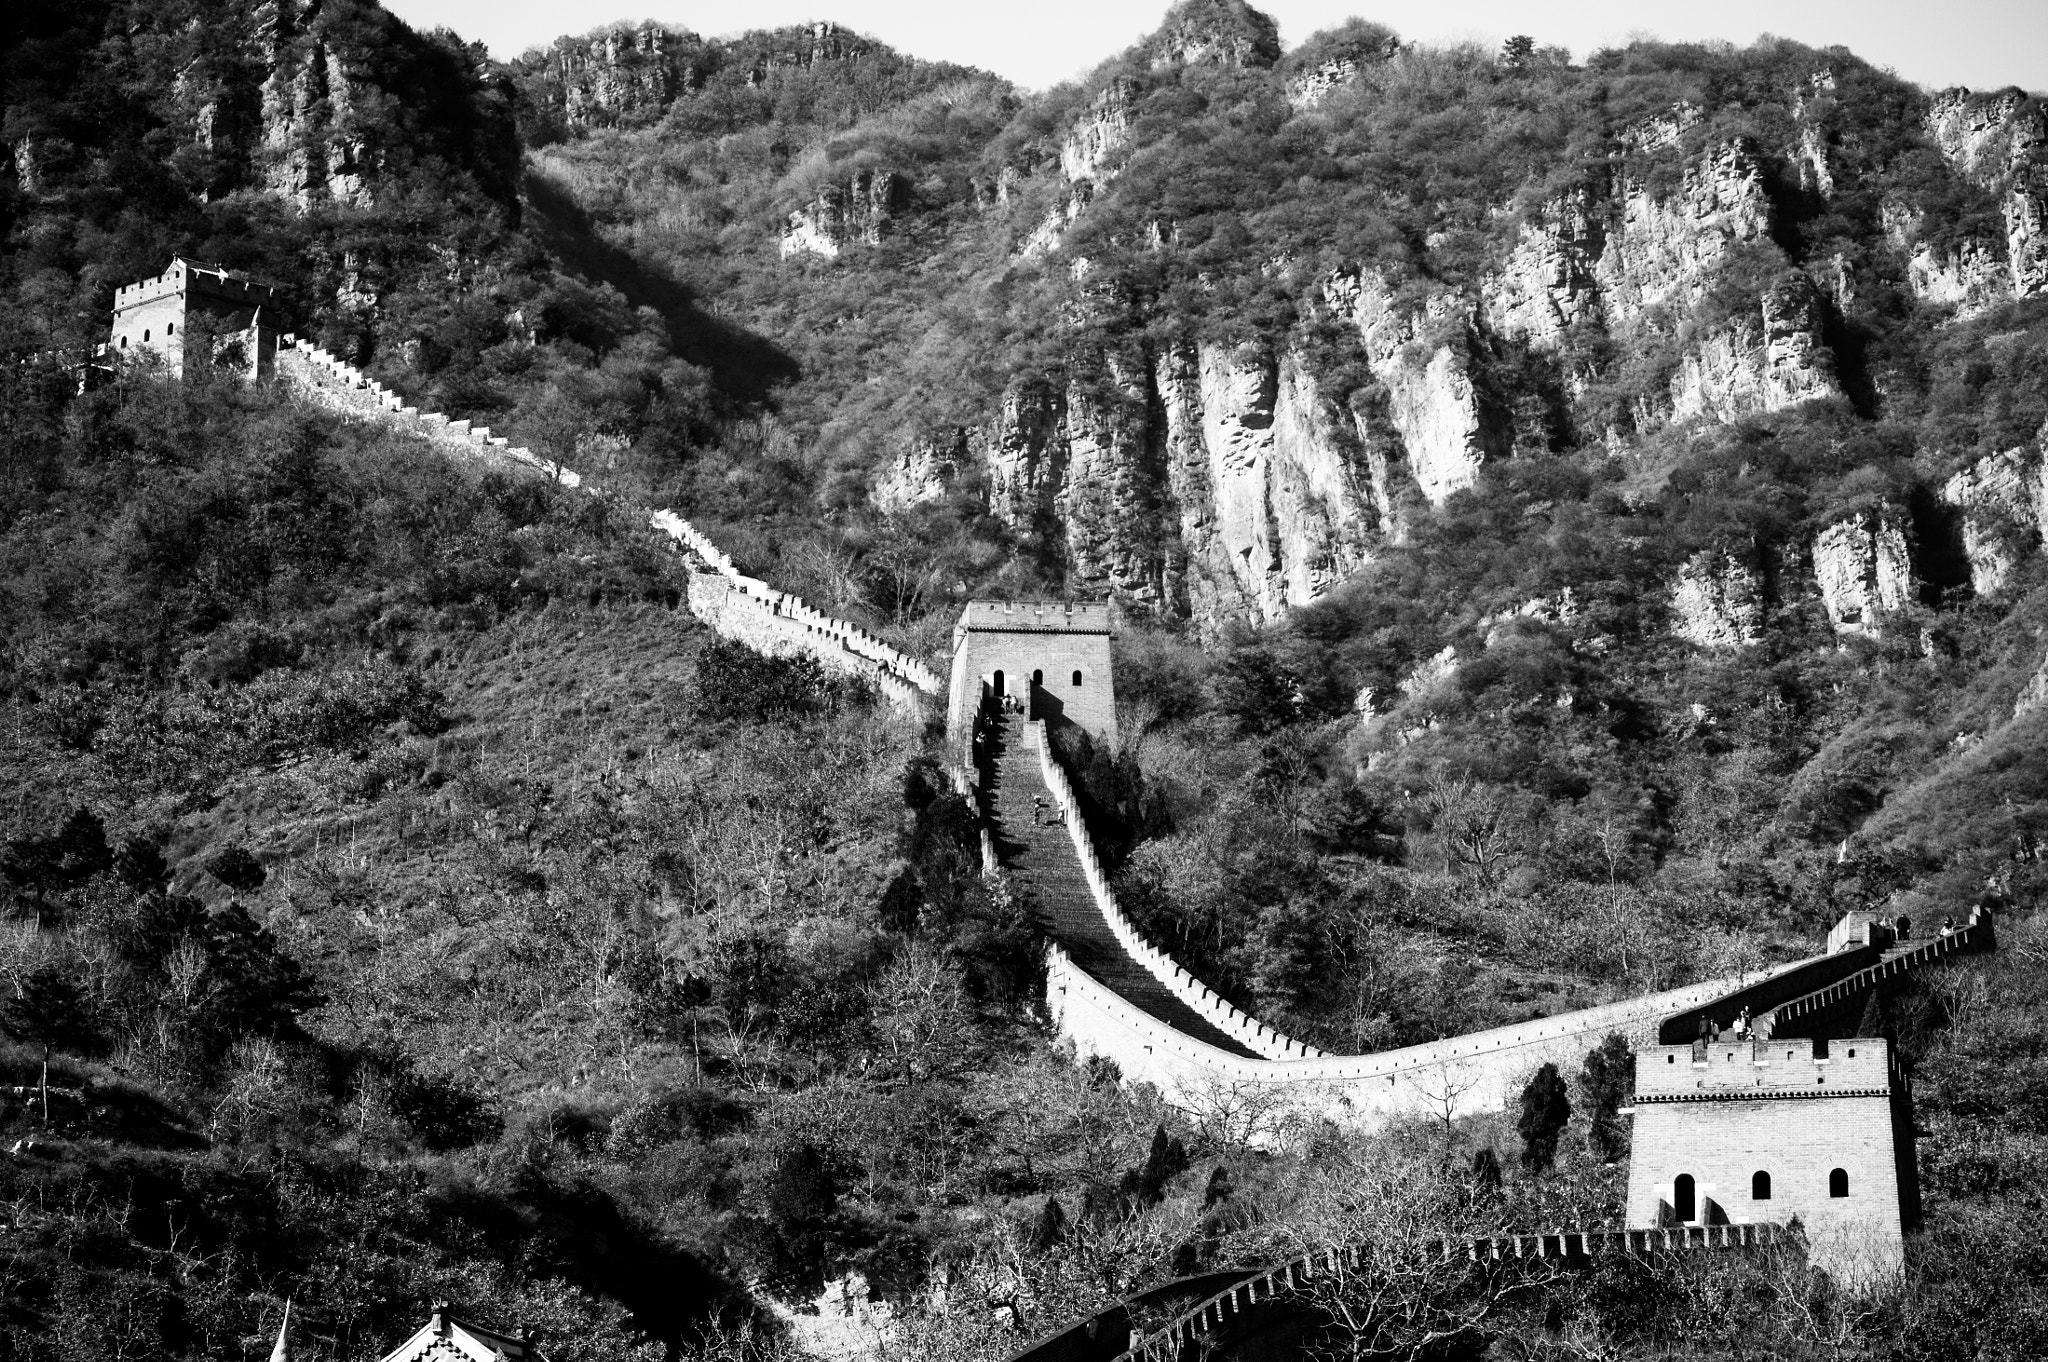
[317, 105]
[1614, 256]
[1424, 360]
[1717, 601]
[1216, 482]
[2002, 503]
[1864, 568]
[2000, 143]
[841, 215]
[624, 75]
[1760, 361]
[629, 75]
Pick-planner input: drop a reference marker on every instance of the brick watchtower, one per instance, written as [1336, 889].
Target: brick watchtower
[1052, 656]
[1750, 1131]
[199, 313]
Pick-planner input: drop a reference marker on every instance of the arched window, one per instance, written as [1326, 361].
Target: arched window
[1683, 1203]
[1838, 1182]
[145, 333]
[124, 342]
[1759, 1186]
[170, 328]
[1077, 680]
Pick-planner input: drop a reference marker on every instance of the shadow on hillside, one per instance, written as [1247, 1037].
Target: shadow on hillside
[744, 365]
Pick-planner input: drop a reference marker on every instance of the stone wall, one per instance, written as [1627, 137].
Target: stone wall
[1251, 1034]
[730, 602]
[1481, 1072]
[334, 383]
[1721, 1114]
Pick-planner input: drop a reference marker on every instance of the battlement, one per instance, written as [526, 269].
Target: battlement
[193, 279]
[1034, 617]
[1751, 1070]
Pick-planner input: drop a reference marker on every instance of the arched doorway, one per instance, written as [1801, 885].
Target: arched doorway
[1038, 677]
[1684, 1201]
[1760, 1186]
[998, 682]
[1838, 1182]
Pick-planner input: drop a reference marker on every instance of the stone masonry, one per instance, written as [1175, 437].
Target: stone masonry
[1775, 1131]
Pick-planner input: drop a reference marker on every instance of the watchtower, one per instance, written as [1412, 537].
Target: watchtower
[204, 314]
[1814, 1130]
[1052, 656]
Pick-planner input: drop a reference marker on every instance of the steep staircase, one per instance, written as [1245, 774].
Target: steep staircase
[1800, 1014]
[1033, 844]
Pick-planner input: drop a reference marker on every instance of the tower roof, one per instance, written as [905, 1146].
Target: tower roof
[446, 1339]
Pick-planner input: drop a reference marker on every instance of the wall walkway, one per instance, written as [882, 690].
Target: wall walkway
[1108, 989]
[1194, 1330]
[731, 603]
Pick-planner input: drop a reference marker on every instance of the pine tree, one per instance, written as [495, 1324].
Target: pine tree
[1546, 1109]
[53, 1011]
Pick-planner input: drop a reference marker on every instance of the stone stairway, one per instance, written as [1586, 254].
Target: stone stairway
[1033, 845]
[1899, 958]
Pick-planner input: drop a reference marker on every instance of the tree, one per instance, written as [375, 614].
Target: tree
[1517, 52]
[72, 855]
[1546, 1110]
[53, 1011]
[237, 867]
[1605, 1083]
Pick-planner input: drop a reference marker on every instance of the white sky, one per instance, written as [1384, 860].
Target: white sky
[1036, 43]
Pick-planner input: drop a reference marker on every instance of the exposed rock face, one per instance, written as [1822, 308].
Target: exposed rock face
[2034, 694]
[628, 75]
[1273, 506]
[844, 215]
[1306, 89]
[1027, 454]
[1864, 568]
[1967, 276]
[1090, 157]
[625, 75]
[1665, 253]
[2026, 231]
[2000, 143]
[1985, 136]
[1425, 364]
[1717, 601]
[311, 147]
[1548, 284]
[2003, 501]
[1108, 501]
[1814, 171]
[925, 468]
[1765, 361]
[1659, 131]
[1099, 138]
[1219, 482]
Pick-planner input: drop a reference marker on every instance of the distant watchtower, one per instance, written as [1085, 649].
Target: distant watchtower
[1751, 1131]
[1052, 656]
[198, 313]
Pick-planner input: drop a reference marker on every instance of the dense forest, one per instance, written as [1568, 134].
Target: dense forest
[406, 899]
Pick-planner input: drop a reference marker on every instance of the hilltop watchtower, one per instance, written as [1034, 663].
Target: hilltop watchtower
[1745, 1132]
[1052, 656]
[205, 314]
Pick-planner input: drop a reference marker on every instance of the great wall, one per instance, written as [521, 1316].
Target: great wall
[1109, 991]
